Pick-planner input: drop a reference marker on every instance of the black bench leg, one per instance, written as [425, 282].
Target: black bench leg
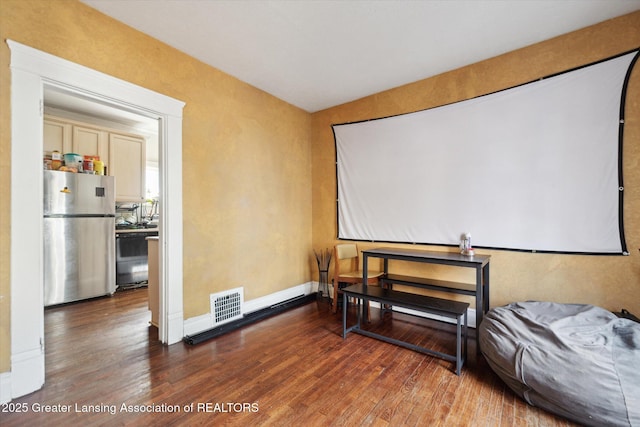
[465, 334]
[346, 330]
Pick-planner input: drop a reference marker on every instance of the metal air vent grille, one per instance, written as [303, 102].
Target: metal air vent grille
[227, 306]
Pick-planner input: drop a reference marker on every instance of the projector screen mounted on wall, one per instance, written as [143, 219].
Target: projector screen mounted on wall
[536, 167]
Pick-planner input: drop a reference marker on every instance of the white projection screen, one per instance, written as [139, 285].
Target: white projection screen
[536, 167]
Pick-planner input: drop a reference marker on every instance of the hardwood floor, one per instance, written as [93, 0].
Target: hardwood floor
[105, 367]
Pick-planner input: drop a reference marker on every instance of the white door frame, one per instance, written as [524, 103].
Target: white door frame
[31, 70]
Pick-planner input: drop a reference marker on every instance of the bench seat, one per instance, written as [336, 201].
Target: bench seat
[439, 306]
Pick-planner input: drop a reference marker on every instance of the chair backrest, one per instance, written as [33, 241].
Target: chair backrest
[345, 251]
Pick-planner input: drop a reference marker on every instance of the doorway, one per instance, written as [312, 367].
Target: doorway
[67, 117]
[31, 71]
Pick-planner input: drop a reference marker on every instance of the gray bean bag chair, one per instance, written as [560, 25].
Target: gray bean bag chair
[578, 361]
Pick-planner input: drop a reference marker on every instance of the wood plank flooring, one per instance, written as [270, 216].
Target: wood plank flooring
[105, 366]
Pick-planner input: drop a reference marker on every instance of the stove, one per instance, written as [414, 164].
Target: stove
[138, 226]
[132, 264]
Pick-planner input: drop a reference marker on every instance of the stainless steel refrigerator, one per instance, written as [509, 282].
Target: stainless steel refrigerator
[79, 236]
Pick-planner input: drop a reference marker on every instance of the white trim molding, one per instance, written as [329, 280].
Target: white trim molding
[31, 71]
[5, 387]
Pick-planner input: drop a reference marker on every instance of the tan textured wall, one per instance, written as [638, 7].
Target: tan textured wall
[246, 155]
[248, 159]
[609, 281]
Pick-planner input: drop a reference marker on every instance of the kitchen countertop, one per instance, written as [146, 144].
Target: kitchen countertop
[138, 230]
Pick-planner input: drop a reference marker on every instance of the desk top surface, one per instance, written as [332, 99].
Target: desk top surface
[426, 255]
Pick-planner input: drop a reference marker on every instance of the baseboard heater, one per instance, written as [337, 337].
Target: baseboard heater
[250, 318]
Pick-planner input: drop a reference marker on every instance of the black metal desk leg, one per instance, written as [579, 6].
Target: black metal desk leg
[365, 279]
[485, 287]
[479, 303]
[458, 346]
[344, 316]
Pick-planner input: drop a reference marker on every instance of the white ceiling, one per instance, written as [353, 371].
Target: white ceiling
[316, 54]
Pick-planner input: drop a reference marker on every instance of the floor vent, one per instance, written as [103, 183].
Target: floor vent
[227, 306]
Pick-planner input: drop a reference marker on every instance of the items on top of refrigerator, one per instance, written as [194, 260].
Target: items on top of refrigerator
[72, 162]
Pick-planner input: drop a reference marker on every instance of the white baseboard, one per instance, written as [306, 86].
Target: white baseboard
[176, 327]
[5, 387]
[195, 325]
[27, 372]
[278, 297]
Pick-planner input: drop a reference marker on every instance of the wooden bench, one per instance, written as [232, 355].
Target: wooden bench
[442, 307]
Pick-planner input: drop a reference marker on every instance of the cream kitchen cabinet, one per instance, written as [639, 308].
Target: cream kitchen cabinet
[57, 136]
[127, 159]
[90, 142]
[123, 154]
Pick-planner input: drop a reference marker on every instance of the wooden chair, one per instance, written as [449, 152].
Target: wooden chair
[349, 272]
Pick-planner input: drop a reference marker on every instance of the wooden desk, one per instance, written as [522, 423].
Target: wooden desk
[479, 262]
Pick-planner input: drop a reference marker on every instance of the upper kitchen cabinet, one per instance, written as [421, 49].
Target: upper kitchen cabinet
[90, 142]
[57, 136]
[127, 157]
[123, 153]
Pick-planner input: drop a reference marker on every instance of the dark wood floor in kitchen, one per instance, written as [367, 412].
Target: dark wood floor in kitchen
[104, 364]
